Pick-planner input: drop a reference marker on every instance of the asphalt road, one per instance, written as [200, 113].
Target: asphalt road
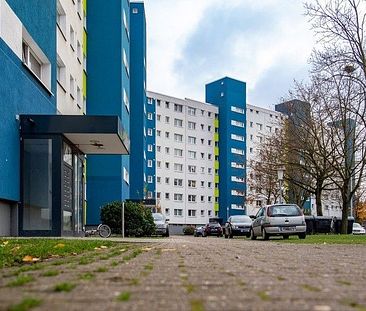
[187, 273]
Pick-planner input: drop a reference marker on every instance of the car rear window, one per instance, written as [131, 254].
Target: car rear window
[241, 219]
[284, 211]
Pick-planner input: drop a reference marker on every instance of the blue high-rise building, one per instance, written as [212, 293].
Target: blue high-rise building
[229, 96]
[139, 108]
[108, 93]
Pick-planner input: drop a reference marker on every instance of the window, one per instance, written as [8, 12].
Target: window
[32, 61]
[178, 212]
[158, 164]
[149, 163]
[202, 127]
[178, 167]
[250, 150]
[78, 97]
[209, 213]
[126, 100]
[158, 180]
[191, 125]
[167, 211]
[209, 128]
[260, 138]
[150, 147]
[209, 199]
[149, 132]
[78, 51]
[149, 179]
[191, 154]
[251, 124]
[178, 137]
[202, 198]
[237, 123]
[202, 155]
[158, 133]
[192, 168]
[259, 126]
[61, 19]
[178, 197]
[202, 212]
[167, 196]
[237, 165]
[237, 137]
[135, 11]
[125, 23]
[237, 151]
[126, 176]
[209, 156]
[191, 111]
[192, 198]
[167, 134]
[202, 183]
[125, 62]
[72, 38]
[167, 165]
[167, 105]
[202, 169]
[61, 73]
[158, 117]
[238, 179]
[209, 114]
[191, 213]
[202, 141]
[237, 109]
[72, 87]
[158, 102]
[149, 115]
[191, 140]
[149, 101]
[167, 180]
[178, 123]
[178, 182]
[192, 183]
[178, 108]
[209, 170]
[167, 150]
[167, 119]
[238, 193]
[269, 129]
[209, 142]
[178, 152]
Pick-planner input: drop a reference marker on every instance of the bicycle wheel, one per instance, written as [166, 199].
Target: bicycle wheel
[104, 231]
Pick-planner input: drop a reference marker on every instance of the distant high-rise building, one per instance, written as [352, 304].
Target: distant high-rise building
[229, 96]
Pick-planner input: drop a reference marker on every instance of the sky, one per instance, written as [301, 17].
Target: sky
[266, 43]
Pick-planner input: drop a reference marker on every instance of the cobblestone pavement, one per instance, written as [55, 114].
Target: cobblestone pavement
[186, 273]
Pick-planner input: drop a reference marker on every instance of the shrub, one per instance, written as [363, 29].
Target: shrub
[189, 230]
[138, 219]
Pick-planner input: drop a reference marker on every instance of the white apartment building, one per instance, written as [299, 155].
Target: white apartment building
[261, 123]
[70, 56]
[185, 174]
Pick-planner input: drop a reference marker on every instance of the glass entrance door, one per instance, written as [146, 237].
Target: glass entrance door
[78, 193]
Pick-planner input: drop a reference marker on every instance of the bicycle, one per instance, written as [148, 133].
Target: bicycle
[104, 231]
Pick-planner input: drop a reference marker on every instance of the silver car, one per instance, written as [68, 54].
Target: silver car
[279, 220]
[161, 224]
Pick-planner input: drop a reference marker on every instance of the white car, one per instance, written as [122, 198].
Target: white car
[358, 229]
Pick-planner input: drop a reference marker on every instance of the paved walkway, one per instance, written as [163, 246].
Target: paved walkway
[186, 273]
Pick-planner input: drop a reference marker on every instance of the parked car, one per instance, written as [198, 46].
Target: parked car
[238, 225]
[279, 220]
[161, 224]
[212, 228]
[358, 229]
[198, 231]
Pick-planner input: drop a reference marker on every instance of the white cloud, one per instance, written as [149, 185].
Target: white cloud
[257, 47]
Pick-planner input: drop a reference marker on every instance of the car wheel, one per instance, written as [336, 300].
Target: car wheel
[265, 235]
[302, 235]
[285, 237]
[252, 236]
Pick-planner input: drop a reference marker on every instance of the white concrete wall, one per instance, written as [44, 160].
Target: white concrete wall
[66, 104]
[10, 28]
[163, 157]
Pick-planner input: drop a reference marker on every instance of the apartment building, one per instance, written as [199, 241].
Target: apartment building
[71, 56]
[261, 124]
[229, 96]
[108, 93]
[44, 135]
[181, 158]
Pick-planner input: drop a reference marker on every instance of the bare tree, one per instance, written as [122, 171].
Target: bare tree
[340, 59]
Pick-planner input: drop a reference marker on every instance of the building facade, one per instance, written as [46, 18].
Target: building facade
[261, 124]
[180, 159]
[229, 95]
[43, 131]
[108, 93]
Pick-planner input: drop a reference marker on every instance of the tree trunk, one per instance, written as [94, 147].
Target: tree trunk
[345, 208]
[318, 201]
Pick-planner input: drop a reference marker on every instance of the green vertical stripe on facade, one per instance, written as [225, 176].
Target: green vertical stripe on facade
[85, 42]
[84, 84]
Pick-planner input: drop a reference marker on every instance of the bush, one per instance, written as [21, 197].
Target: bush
[138, 219]
[189, 230]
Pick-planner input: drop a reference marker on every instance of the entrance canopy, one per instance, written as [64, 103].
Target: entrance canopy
[90, 134]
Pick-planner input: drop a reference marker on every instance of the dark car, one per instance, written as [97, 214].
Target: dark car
[238, 225]
[198, 231]
[212, 228]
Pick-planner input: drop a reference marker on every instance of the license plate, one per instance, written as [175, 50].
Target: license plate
[288, 228]
[244, 230]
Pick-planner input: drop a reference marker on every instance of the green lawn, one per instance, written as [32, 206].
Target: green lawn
[13, 251]
[327, 239]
